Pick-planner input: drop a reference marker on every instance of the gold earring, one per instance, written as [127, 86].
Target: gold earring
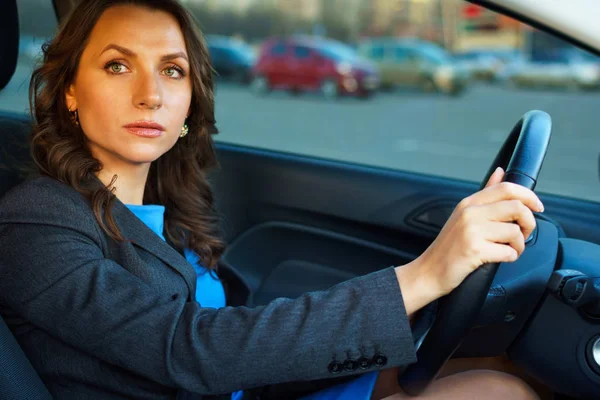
[184, 130]
[74, 117]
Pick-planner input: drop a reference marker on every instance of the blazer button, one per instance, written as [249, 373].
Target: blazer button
[364, 363]
[350, 365]
[175, 296]
[335, 367]
[379, 360]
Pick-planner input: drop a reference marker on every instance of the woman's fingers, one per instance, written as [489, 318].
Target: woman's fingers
[506, 233]
[504, 191]
[496, 177]
[510, 211]
[496, 221]
[498, 253]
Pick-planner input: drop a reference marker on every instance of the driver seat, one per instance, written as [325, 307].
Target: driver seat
[18, 379]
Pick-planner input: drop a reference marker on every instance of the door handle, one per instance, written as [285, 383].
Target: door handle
[433, 216]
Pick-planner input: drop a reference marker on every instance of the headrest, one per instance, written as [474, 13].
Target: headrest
[9, 40]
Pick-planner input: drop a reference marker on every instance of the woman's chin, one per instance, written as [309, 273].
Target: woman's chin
[144, 155]
[142, 158]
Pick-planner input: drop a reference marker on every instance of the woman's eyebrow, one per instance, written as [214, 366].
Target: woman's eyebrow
[120, 49]
[131, 53]
[172, 56]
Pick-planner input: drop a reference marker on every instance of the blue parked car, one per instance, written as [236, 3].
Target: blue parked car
[232, 59]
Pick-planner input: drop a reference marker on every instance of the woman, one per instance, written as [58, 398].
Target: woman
[108, 275]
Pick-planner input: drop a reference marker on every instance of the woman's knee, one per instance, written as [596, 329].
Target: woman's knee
[501, 385]
[475, 384]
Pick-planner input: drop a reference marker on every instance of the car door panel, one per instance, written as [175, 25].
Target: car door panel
[301, 69]
[281, 259]
[388, 67]
[277, 65]
[296, 224]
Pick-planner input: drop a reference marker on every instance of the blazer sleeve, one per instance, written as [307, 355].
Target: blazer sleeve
[53, 273]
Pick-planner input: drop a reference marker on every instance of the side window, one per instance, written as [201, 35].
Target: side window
[402, 54]
[301, 52]
[216, 54]
[377, 53]
[449, 125]
[228, 54]
[37, 25]
[278, 49]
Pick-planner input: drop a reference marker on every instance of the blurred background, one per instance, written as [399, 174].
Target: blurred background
[427, 86]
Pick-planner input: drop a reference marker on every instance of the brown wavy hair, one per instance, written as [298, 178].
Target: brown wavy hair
[176, 180]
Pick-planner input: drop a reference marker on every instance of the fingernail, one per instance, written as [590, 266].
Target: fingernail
[540, 206]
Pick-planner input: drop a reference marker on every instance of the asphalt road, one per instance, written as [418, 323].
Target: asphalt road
[433, 134]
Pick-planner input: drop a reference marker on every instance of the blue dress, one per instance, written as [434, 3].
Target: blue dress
[210, 293]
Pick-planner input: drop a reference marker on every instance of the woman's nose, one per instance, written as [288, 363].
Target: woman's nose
[148, 93]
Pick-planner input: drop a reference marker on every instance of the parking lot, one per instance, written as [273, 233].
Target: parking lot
[429, 133]
[454, 137]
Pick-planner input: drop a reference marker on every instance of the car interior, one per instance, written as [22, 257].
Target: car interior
[296, 223]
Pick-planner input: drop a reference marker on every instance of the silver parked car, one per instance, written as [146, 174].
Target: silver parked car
[569, 69]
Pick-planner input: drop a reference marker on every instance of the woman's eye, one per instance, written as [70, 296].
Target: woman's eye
[173, 72]
[116, 68]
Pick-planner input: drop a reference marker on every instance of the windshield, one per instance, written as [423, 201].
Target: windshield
[243, 51]
[435, 55]
[235, 49]
[338, 52]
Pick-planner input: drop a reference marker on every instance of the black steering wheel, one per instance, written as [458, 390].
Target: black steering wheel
[521, 156]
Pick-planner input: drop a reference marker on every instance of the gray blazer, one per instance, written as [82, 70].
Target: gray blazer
[105, 320]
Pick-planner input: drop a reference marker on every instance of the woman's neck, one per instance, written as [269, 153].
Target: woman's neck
[130, 183]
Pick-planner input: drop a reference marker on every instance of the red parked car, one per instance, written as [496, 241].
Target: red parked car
[313, 64]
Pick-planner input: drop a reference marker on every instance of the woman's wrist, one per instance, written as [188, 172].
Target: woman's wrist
[417, 286]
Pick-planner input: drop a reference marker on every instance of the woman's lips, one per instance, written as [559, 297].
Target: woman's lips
[145, 129]
[144, 132]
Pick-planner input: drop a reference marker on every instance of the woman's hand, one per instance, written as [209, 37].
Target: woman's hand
[489, 226]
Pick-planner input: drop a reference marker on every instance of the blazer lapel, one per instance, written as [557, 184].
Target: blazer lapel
[140, 235]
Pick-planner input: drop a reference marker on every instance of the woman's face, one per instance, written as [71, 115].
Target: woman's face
[132, 89]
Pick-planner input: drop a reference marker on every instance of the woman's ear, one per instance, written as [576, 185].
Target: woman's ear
[70, 98]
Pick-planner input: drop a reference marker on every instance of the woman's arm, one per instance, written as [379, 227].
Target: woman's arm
[54, 274]
[60, 282]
